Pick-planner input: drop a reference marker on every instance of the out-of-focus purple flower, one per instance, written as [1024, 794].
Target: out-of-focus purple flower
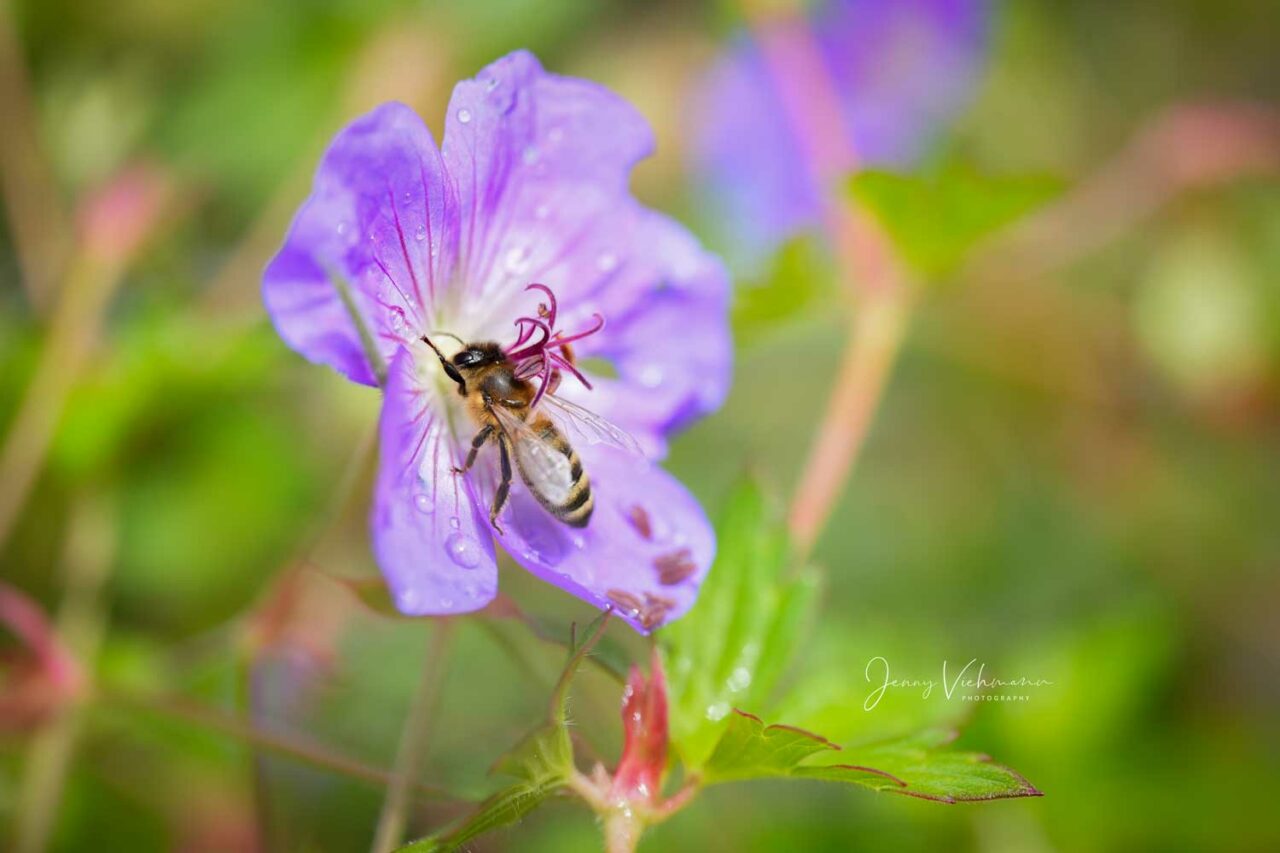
[530, 186]
[797, 104]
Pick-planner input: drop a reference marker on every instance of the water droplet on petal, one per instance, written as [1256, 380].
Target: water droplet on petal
[420, 233]
[423, 502]
[517, 259]
[463, 550]
[398, 322]
[491, 84]
[651, 375]
[446, 603]
[607, 262]
[464, 115]
[455, 523]
[407, 600]
[740, 679]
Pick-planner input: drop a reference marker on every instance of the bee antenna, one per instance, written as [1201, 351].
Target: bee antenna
[449, 369]
[434, 348]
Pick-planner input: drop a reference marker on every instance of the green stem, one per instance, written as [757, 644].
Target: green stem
[413, 741]
[82, 618]
[294, 747]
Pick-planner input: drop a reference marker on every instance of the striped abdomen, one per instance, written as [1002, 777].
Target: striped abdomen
[552, 470]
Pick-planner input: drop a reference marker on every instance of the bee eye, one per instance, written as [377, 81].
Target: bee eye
[466, 358]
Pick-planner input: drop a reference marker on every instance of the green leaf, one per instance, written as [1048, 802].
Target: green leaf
[748, 749]
[799, 276]
[917, 766]
[921, 766]
[731, 648]
[542, 761]
[505, 807]
[935, 220]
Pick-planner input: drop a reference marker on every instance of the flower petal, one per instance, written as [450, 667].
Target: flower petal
[925, 62]
[667, 337]
[538, 159]
[383, 216]
[431, 541]
[898, 68]
[645, 551]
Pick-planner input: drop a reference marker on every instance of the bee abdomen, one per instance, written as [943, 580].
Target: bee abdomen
[576, 511]
[576, 508]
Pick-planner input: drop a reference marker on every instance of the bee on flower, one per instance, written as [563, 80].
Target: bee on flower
[542, 333]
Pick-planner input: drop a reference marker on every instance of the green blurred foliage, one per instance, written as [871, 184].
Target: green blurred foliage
[935, 219]
[1071, 478]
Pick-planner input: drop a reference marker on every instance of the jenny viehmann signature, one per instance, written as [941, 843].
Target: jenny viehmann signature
[877, 673]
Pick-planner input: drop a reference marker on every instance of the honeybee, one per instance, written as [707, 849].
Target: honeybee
[524, 425]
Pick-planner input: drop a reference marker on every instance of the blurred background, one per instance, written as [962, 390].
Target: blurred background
[1074, 473]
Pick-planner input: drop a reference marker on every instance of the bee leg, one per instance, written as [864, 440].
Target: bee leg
[500, 497]
[476, 443]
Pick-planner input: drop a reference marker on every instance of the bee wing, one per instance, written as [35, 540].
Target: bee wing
[577, 422]
[544, 467]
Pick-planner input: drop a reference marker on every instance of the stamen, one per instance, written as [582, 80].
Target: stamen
[546, 357]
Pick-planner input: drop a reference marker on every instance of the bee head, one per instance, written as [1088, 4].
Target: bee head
[477, 355]
[470, 358]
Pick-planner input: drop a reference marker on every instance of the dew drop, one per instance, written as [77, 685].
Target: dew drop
[607, 262]
[455, 523]
[517, 259]
[420, 233]
[397, 319]
[342, 228]
[651, 375]
[740, 680]
[464, 115]
[463, 550]
[491, 84]
[424, 503]
[718, 711]
[407, 600]
[446, 603]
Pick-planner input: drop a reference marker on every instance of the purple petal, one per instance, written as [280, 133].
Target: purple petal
[539, 160]
[926, 58]
[667, 337]
[645, 551]
[897, 70]
[431, 540]
[383, 216]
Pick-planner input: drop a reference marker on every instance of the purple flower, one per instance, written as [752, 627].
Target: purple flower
[529, 188]
[799, 104]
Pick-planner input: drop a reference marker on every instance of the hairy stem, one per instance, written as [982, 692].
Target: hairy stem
[413, 741]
